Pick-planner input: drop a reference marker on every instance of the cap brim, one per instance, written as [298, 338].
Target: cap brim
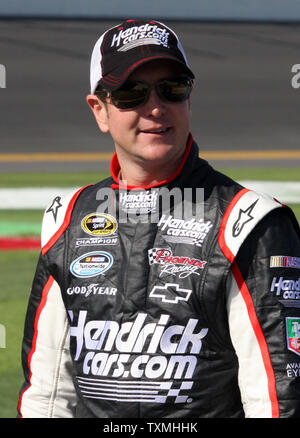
[115, 79]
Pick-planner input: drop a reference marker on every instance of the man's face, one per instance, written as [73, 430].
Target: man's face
[157, 131]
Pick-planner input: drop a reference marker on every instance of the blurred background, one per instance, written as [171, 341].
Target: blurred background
[245, 117]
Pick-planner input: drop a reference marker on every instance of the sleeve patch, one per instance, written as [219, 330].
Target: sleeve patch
[242, 215]
[57, 218]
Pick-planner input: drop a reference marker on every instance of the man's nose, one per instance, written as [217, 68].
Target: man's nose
[154, 105]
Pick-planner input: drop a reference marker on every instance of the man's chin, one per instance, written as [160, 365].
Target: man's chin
[158, 154]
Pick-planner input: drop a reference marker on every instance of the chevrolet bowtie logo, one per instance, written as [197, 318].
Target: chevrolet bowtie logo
[170, 293]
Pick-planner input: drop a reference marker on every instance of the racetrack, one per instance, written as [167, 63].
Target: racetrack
[243, 99]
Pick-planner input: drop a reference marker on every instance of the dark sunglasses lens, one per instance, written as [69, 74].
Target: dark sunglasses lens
[130, 95]
[133, 94]
[175, 90]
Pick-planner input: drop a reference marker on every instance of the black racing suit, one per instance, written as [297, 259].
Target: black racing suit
[138, 311]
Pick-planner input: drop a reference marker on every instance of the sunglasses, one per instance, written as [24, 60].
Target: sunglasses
[133, 94]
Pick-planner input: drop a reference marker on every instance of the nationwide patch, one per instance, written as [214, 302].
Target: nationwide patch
[99, 224]
[91, 264]
[284, 262]
[293, 334]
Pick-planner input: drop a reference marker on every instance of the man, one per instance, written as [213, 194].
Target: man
[136, 311]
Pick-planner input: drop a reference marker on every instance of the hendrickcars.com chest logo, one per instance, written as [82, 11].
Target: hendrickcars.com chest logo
[142, 360]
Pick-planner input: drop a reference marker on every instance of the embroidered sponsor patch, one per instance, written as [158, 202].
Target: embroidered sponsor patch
[140, 35]
[172, 265]
[91, 264]
[293, 334]
[91, 289]
[170, 293]
[284, 262]
[141, 202]
[244, 217]
[56, 204]
[293, 370]
[99, 224]
[190, 232]
[97, 241]
[287, 290]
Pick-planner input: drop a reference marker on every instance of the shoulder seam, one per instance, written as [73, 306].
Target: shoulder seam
[66, 221]
[246, 208]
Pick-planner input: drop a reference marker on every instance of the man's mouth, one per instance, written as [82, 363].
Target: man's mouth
[157, 131]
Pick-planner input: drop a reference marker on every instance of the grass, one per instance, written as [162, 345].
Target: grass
[13, 303]
[53, 179]
[264, 174]
[296, 210]
[78, 179]
[17, 267]
[21, 216]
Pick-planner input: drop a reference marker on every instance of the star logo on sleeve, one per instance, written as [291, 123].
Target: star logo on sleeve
[54, 207]
[244, 217]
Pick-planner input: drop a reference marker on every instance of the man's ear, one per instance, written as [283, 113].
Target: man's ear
[100, 112]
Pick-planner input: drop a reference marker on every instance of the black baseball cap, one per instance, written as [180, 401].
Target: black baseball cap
[125, 47]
